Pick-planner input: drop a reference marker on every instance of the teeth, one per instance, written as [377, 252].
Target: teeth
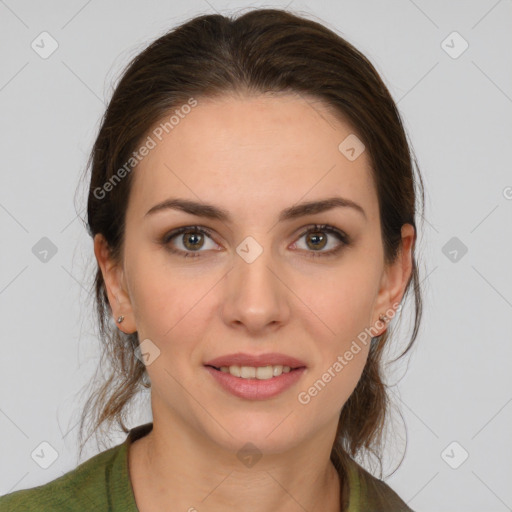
[251, 372]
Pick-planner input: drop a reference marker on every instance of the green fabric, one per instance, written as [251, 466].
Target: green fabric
[102, 483]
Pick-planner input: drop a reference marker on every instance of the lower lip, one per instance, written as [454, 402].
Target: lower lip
[256, 389]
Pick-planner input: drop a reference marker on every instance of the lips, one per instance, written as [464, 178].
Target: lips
[242, 359]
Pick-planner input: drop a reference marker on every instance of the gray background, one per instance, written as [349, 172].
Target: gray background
[457, 385]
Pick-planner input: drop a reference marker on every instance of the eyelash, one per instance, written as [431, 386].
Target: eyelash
[342, 237]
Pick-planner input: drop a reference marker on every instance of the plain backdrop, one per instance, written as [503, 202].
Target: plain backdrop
[448, 67]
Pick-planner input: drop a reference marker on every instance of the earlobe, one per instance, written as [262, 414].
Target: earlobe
[113, 277]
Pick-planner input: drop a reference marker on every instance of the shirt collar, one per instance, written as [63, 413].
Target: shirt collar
[119, 486]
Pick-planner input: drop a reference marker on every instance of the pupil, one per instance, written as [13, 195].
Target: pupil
[317, 238]
[193, 236]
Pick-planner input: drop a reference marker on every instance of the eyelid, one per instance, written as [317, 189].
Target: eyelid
[168, 236]
[343, 238]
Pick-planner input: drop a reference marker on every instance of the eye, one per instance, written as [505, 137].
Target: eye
[192, 239]
[317, 239]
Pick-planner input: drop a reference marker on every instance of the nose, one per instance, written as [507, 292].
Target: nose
[255, 295]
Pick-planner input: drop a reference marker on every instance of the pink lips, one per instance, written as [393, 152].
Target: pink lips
[241, 359]
[256, 389]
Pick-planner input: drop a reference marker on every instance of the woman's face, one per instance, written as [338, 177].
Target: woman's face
[256, 282]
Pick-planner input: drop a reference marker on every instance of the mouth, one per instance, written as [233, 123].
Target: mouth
[245, 364]
[256, 372]
[255, 383]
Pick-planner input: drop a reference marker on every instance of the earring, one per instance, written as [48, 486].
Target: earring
[383, 318]
[120, 319]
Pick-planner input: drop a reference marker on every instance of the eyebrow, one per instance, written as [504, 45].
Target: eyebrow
[210, 211]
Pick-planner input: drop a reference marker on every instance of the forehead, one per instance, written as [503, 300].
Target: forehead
[252, 154]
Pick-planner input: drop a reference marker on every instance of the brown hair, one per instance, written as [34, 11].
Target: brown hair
[264, 50]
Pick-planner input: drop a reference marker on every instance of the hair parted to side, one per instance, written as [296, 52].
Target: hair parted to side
[261, 51]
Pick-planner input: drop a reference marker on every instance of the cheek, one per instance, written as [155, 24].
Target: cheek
[171, 309]
[338, 316]
[158, 297]
[339, 301]
[326, 392]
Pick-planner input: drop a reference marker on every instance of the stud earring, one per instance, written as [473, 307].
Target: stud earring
[383, 318]
[120, 319]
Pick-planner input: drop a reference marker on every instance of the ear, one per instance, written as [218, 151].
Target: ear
[394, 279]
[117, 292]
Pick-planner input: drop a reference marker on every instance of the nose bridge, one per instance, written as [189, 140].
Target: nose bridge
[254, 295]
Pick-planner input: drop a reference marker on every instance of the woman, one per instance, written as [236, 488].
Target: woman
[252, 205]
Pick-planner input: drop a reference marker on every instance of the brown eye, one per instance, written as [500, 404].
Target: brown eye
[317, 238]
[191, 238]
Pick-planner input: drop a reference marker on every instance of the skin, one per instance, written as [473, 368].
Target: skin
[253, 156]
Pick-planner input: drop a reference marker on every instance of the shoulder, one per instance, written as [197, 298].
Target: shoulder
[376, 495]
[83, 488]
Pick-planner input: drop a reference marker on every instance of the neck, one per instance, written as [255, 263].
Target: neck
[173, 472]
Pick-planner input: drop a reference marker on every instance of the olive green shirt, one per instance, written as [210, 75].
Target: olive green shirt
[102, 483]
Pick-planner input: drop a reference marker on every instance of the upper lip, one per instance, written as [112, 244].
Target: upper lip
[242, 359]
